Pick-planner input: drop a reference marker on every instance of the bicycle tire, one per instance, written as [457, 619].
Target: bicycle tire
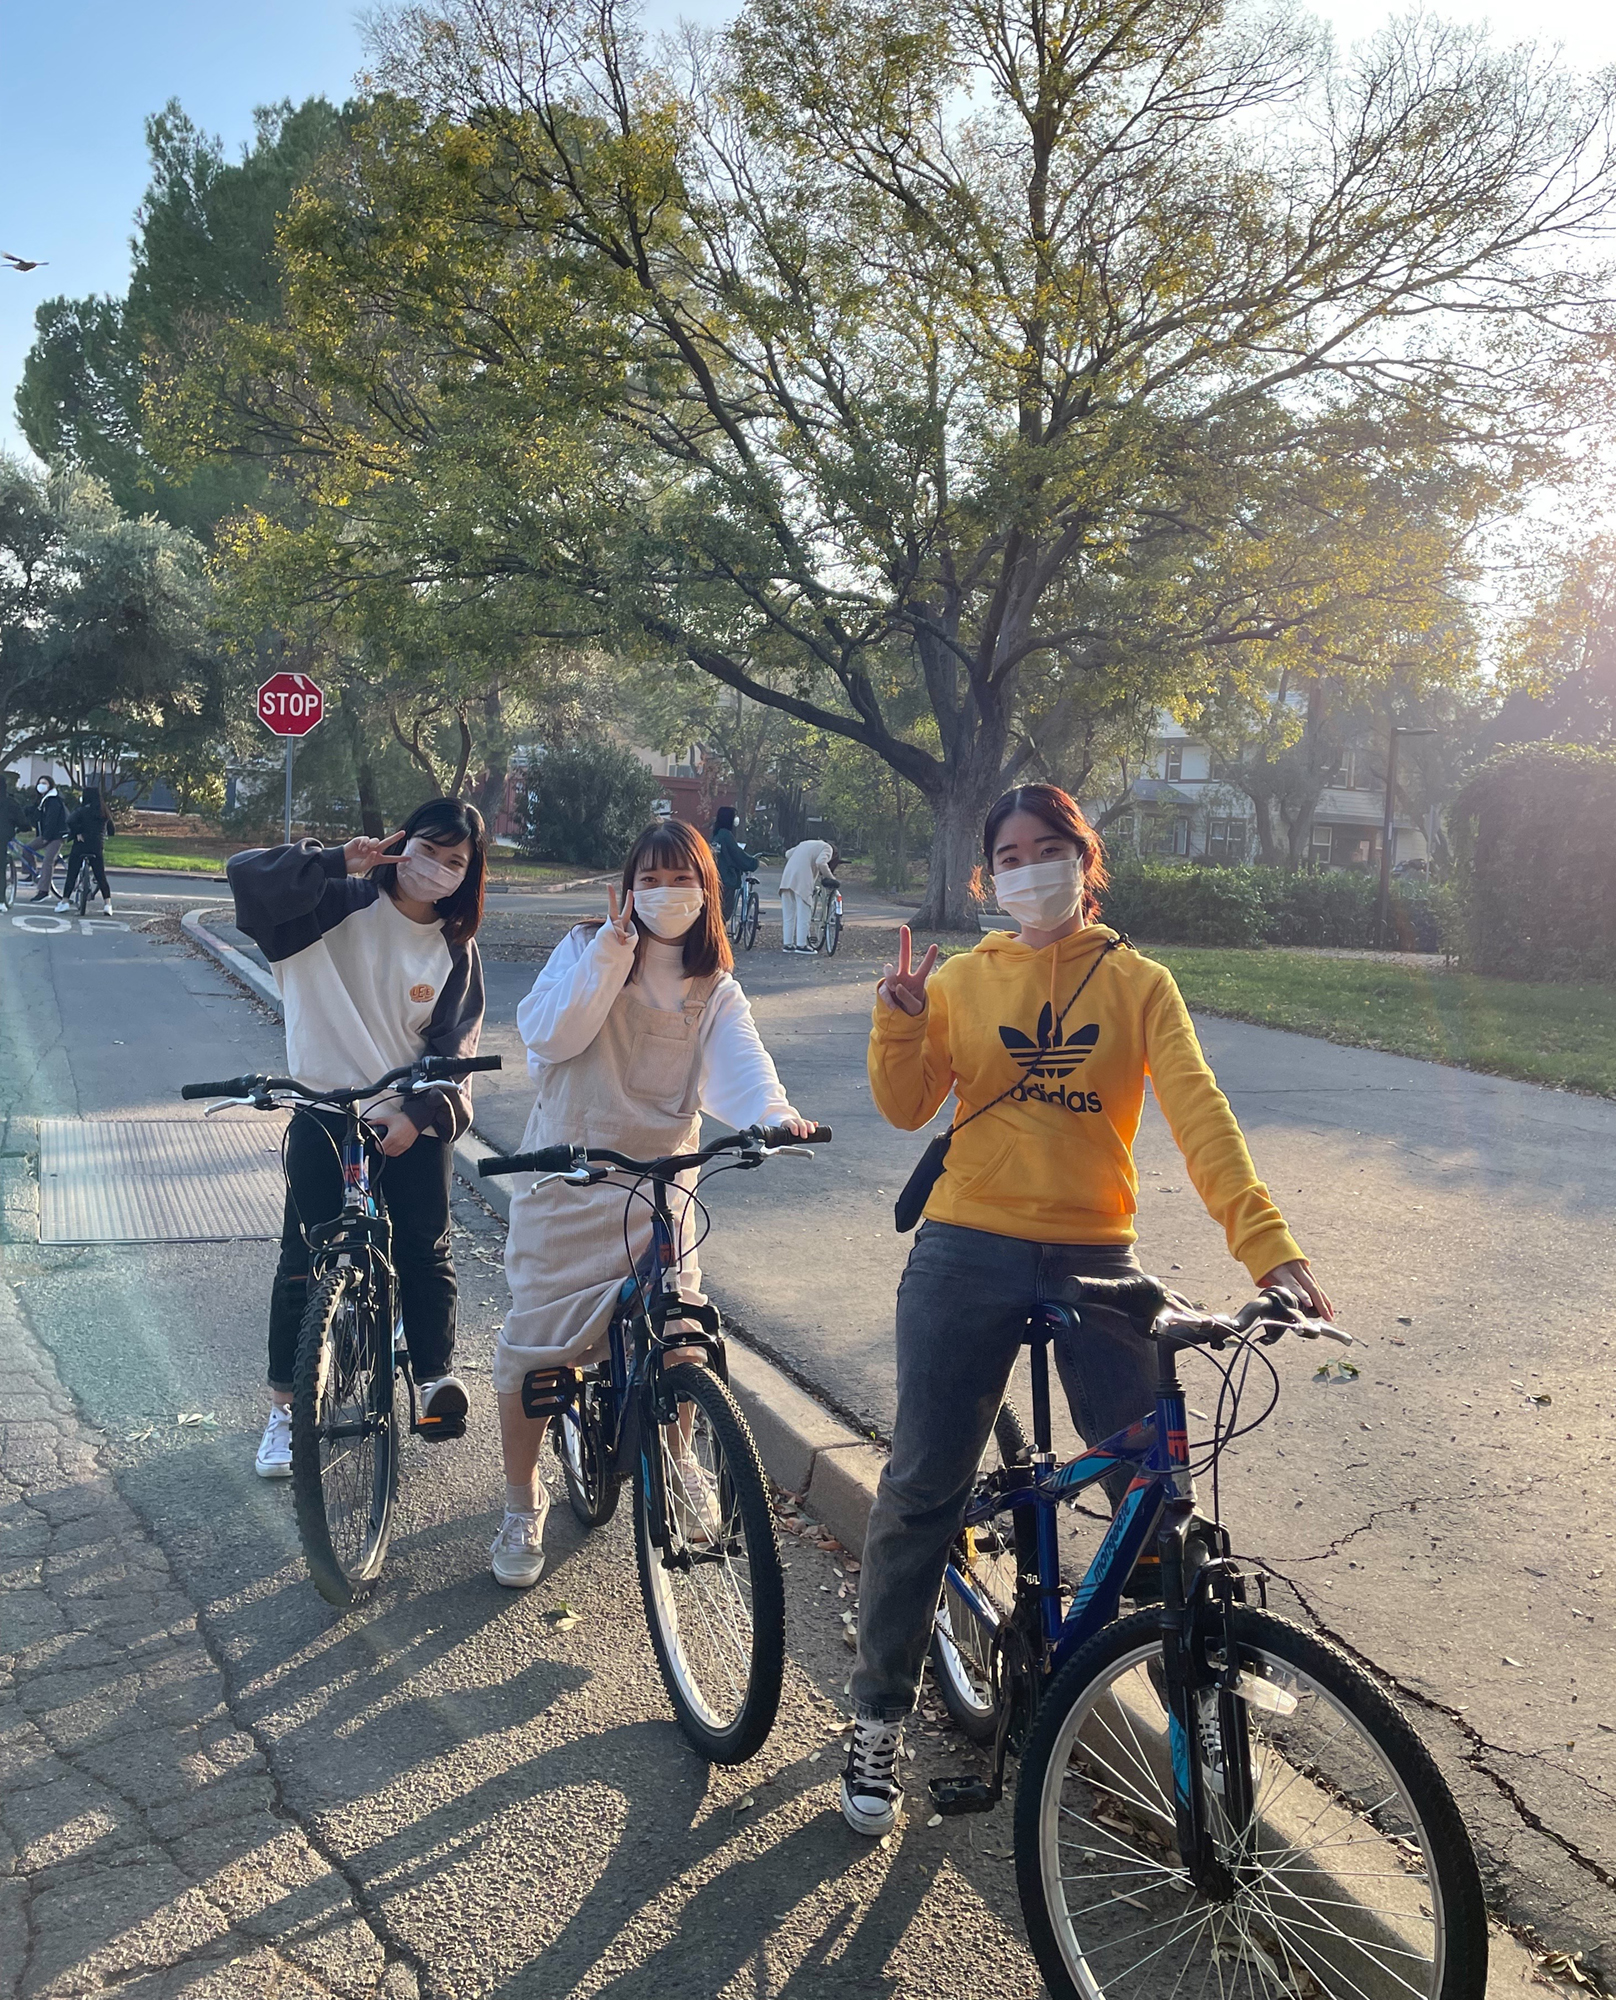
[591, 1491]
[961, 1644]
[10, 881]
[342, 1349]
[1426, 1890]
[725, 1715]
[833, 931]
[754, 911]
[81, 895]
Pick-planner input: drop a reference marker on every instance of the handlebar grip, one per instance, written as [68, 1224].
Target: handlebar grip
[547, 1160]
[469, 1063]
[236, 1086]
[782, 1135]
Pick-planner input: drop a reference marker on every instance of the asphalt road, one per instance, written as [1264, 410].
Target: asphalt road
[210, 1784]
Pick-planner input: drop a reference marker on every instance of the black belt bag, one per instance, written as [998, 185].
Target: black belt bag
[916, 1191]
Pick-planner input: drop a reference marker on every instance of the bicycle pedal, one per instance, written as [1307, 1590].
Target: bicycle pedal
[953, 1796]
[440, 1430]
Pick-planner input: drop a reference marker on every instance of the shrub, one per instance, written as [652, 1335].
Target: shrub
[1186, 905]
[1242, 907]
[1534, 836]
[586, 805]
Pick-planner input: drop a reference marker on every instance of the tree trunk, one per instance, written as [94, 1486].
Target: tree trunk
[956, 851]
[490, 792]
[370, 808]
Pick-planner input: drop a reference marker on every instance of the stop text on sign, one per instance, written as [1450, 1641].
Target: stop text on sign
[290, 704]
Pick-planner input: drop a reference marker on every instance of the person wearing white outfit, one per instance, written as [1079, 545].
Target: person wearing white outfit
[634, 1028]
[809, 862]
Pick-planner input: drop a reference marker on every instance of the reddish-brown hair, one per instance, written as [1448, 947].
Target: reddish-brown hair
[670, 843]
[1061, 813]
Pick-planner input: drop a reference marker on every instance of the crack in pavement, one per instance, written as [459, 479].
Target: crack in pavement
[1479, 1749]
[105, 1638]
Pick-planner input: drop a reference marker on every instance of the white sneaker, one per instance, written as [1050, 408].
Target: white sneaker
[872, 1798]
[106, 906]
[518, 1548]
[693, 1499]
[64, 904]
[441, 1404]
[274, 1460]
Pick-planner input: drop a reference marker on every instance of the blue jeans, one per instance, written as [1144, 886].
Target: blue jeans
[963, 1306]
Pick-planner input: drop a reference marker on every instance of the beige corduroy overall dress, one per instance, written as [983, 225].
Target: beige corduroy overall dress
[634, 1089]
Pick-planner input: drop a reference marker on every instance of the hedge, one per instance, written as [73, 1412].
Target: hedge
[1534, 836]
[1247, 907]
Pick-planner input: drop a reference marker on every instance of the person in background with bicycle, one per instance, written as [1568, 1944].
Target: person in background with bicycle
[373, 947]
[732, 858]
[16, 819]
[89, 823]
[808, 863]
[1038, 1187]
[634, 1028]
[50, 820]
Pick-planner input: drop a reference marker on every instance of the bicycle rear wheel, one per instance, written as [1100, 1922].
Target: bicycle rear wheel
[81, 895]
[715, 1595]
[10, 886]
[1353, 1876]
[962, 1640]
[581, 1447]
[344, 1439]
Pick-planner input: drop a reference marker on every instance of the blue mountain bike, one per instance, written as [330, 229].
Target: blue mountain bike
[1212, 1802]
[704, 1538]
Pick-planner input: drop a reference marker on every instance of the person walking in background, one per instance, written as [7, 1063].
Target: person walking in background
[809, 862]
[50, 821]
[16, 815]
[89, 823]
[732, 858]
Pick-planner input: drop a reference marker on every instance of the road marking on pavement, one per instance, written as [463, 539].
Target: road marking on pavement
[88, 924]
[41, 922]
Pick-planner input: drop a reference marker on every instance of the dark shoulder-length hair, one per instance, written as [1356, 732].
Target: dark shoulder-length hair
[670, 843]
[449, 821]
[1061, 813]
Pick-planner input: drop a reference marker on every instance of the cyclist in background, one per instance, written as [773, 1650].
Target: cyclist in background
[1037, 1190]
[373, 946]
[50, 818]
[634, 1028]
[732, 858]
[89, 823]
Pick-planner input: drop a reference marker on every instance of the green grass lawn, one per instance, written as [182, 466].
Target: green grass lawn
[190, 854]
[1560, 1035]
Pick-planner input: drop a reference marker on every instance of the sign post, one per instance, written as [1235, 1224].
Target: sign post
[290, 705]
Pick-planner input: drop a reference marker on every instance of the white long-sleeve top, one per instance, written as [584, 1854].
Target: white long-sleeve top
[807, 863]
[567, 1005]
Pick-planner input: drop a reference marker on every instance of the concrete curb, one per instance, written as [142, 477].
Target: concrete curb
[803, 1447]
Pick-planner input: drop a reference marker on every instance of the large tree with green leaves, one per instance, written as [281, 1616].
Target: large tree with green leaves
[1105, 344]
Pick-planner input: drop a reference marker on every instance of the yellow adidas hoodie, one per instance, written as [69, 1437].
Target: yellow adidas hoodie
[1054, 1162]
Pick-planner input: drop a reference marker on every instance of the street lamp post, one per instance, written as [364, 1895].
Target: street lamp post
[1383, 901]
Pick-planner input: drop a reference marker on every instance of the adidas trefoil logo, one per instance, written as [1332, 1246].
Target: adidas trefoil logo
[1051, 1055]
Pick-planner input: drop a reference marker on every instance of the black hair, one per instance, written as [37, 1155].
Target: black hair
[725, 817]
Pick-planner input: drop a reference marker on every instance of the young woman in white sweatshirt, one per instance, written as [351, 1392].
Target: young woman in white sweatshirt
[634, 1028]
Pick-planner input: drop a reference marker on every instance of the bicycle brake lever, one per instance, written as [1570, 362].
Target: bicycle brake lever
[788, 1152]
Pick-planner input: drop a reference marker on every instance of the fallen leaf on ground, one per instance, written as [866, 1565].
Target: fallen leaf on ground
[935, 1820]
[201, 1419]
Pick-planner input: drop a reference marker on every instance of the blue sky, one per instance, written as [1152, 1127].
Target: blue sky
[79, 77]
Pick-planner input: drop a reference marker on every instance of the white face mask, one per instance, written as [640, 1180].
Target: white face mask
[423, 879]
[1043, 894]
[668, 913]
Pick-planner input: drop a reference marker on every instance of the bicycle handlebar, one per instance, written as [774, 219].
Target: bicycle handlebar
[1162, 1316]
[429, 1069]
[565, 1159]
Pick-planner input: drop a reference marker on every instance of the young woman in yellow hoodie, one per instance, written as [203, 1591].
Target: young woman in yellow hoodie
[1045, 1040]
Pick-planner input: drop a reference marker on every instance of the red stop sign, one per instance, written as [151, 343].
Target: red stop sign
[290, 704]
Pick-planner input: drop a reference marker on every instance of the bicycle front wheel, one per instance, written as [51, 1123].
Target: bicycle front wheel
[754, 909]
[715, 1594]
[581, 1447]
[344, 1439]
[1353, 1875]
[10, 889]
[833, 931]
[984, 1561]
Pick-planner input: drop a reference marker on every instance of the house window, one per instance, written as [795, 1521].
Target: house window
[1226, 840]
[1318, 850]
[1181, 836]
[1175, 771]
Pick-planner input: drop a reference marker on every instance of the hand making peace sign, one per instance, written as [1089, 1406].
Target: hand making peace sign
[904, 985]
[623, 924]
[365, 854]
